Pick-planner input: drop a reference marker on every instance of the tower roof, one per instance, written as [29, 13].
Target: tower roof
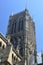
[21, 13]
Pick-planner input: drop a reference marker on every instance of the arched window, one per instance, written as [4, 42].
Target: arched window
[20, 25]
[0, 44]
[21, 51]
[15, 27]
[31, 61]
[3, 46]
[16, 43]
[14, 59]
[13, 30]
[12, 56]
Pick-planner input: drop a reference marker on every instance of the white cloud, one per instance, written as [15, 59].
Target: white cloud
[39, 59]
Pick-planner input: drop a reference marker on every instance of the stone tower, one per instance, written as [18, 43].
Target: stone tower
[21, 33]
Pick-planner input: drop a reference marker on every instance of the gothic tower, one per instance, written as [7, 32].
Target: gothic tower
[21, 33]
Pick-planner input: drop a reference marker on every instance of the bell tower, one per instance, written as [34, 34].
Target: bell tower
[21, 30]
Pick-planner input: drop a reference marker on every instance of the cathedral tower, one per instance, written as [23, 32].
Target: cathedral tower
[21, 33]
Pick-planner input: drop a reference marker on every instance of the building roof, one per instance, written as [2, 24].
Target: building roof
[4, 53]
[17, 54]
[3, 38]
[22, 13]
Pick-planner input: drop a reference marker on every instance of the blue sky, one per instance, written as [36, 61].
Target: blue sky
[35, 8]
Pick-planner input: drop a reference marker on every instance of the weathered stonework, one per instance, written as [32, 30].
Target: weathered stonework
[23, 40]
[7, 52]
